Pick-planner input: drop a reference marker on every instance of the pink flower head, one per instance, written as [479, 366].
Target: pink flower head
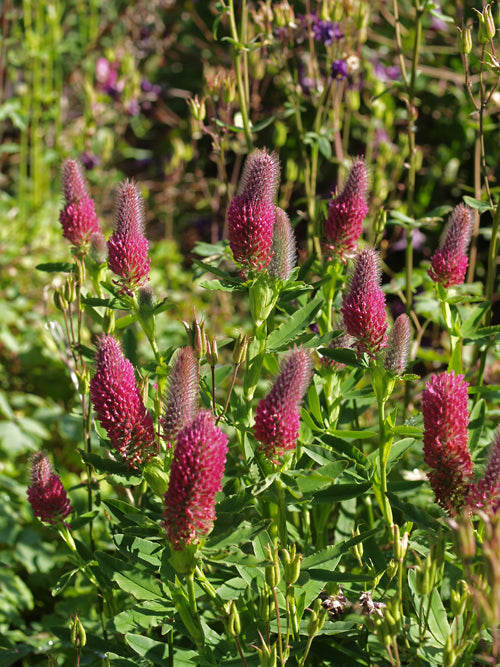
[46, 494]
[449, 263]
[78, 218]
[347, 211]
[398, 346]
[251, 213]
[195, 477]
[363, 306]
[446, 451]
[119, 406]
[284, 251]
[128, 247]
[277, 418]
[182, 397]
[485, 494]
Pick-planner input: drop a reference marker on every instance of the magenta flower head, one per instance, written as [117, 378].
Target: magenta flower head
[119, 406]
[251, 213]
[195, 477]
[446, 451]
[277, 418]
[347, 211]
[363, 306]
[449, 263]
[78, 218]
[485, 495]
[181, 402]
[398, 346]
[128, 247]
[284, 252]
[46, 494]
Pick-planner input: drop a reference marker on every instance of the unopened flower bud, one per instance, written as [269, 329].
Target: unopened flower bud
[199, 338]
[197, 107]
[60, 301]
[240, 349]
[465, 539]
[291, 564]
[272, 571]
[266, 604]
[69, 291]
[319, 614]
[212, 352]
[400, 543]
[487, 28]
[459, 598]
[234, 622]
[464, 40]
[78, 634]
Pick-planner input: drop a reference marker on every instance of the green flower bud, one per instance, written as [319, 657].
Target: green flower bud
[108, 321]
[197, 108]
[60, 301]
[78, 634]
[487, 28]
[69, 291]
[266, 604]
[464, 40]
[240, 349]
[212, 352]
[291, 564]
[234, 622]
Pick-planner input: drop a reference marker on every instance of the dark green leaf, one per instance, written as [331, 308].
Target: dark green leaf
[51, 267]
[294, 325]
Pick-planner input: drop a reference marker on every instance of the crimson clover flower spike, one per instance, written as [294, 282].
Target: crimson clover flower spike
[347, 211]
[78, 218]
[485, 495]
[449, 263]
[46, 494]
[363, 305]
[195, 478]
[398, 346]
[446, 451]
[128, 247]
[251, 213]
[284, 252]
[181, 402]
[119, 406]
[277, 418]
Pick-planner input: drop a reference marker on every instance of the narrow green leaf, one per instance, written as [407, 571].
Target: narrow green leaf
[51, 267]
[294, 325]
[338, 492]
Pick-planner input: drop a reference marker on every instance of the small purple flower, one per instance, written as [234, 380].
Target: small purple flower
[181, 402]
[119, 407]
[326, 31]
[251, 213]
[128, 247]
[195, 478]
[363, 306]
[46, 493]
[338, 70]
[78, 218]
[449, 263]
[446, 450]
[277, 418]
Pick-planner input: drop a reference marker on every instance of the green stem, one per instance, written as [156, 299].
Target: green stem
[238, 46]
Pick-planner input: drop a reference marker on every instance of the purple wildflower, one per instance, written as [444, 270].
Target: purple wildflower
[446, 451]
[119, 406]
[449, 263]
[251, 213]
[78, 218]
[127, 246]
[485, 495]
[195, 477]
[277, 418]
[363, 306]
[326, 32]
[338, 70]
[46, 494]
[182, 397]
[347, 211]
